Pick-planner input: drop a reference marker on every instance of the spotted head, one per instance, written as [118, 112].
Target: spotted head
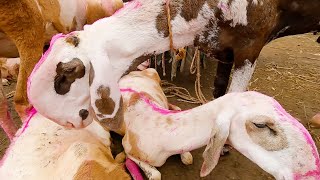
[71, 86]
[270, 137]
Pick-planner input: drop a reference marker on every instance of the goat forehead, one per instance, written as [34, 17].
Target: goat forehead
[302, 140]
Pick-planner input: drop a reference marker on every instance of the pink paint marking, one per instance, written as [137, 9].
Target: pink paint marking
[25, 125]
[133, 169]
[43, 58]
[287, 117]
[150, 103]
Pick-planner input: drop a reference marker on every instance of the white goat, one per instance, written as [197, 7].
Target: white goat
[256, 125]
[46, 150]
[112, 46]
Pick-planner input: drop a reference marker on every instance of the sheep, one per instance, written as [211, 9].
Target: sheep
[113, 46]
[255, 125]
[26, 26]
[45, 150]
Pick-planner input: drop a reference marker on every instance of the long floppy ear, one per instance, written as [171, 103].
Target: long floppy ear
[213, 150]
[104, 90]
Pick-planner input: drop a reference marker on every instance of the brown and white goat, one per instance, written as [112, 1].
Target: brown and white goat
[112, 46]
[27, 25]
[45, 150]
[256, 125]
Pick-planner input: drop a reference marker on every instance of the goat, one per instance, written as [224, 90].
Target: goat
[255, 124]
[46, 150]
[113, 46]
[27, 25]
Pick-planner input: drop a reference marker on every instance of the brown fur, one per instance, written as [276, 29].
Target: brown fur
[135, 151]
[51, 13]
[105, 105]
[162, 21]
[21, 21]
[115, 124]
[67, 73]
[94, 13]
[191, 9]
[73, 40]
[91, 74]
[92, 170]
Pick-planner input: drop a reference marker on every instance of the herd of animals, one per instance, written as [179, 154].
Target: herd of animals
[84, 81]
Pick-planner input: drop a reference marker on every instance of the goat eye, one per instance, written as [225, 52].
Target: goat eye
[260, 125]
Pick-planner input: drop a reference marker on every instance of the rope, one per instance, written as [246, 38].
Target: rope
[195, 68]
[169, 25]
[183, 94]
[10, 94]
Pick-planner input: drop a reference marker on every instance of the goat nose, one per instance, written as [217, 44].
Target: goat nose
[83, 113]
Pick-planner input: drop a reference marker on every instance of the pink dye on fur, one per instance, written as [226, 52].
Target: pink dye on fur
[282, 112]
[43, 58]
[25, 125]
[153, 106]
[133, 169]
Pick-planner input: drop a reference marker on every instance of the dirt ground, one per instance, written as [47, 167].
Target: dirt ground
[287, 69]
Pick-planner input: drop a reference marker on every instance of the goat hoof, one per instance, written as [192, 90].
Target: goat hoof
[156, 175]
[186, 158]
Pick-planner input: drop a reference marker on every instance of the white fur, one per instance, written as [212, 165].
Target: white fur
[236, 12]
[47, 150]
[222, 118]
[241, 77]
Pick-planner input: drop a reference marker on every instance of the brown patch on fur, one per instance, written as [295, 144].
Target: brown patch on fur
[189, 11]
[169, 120]
[91, 74]
[136, 63]
[67, 73]
[115, 124]
[93, 170]
[135, 151]
[191, 8]
[162, 21]
[106, 104]
[51, 13]
[271, 137]
[95, 11]
[134, 99]
[73, 40]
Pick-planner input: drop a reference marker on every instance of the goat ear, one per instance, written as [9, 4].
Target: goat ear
[213, 150]
[104, 90]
